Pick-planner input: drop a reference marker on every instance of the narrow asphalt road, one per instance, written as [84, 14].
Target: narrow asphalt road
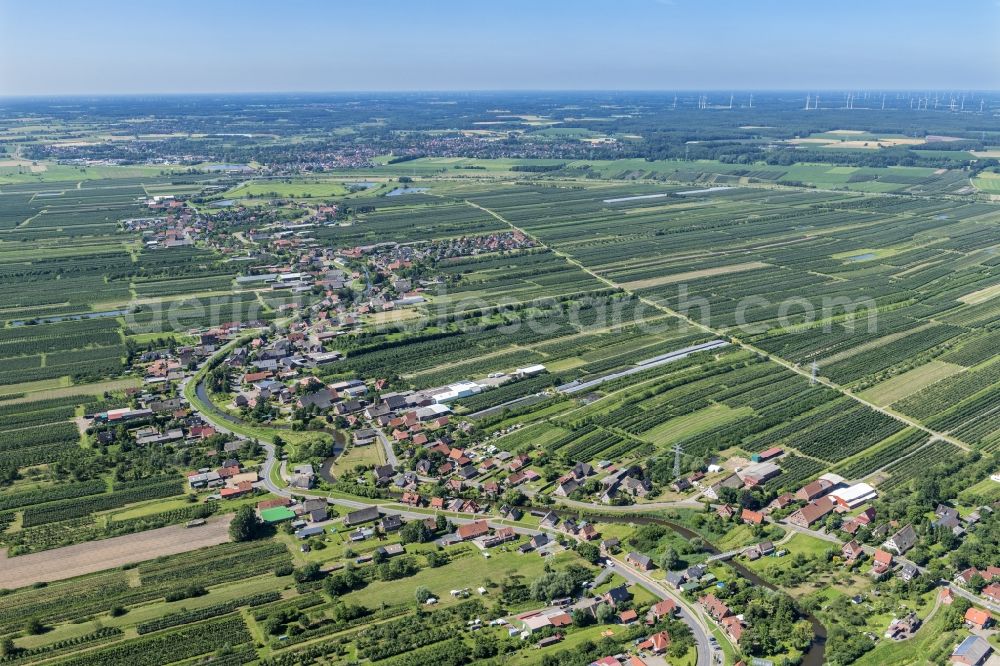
[390, 455]
[706, 654]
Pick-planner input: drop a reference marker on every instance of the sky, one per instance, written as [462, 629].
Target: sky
[215, 46]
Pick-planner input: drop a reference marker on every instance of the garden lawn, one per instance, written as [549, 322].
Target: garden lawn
[468, 571]
[932, 637]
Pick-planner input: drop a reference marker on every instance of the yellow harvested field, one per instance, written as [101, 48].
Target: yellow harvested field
[981, 296]
[84, 558]
[694, 275]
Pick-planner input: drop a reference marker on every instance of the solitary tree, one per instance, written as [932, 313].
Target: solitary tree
[245, 525]
[605, 613]
[34, 626]
[669, 560]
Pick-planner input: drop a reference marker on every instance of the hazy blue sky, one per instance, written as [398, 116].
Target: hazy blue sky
[134, 46]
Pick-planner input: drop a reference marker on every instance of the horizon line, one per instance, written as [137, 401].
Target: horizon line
[479, 91]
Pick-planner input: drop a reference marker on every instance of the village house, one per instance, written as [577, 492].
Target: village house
[881, 562]
[303, 477]
[988, 574]
[390, 550]
[978, 619]
[628, 616]
[639, 561]
[316, 509]
[757, 551]
[902, 541]
[610, 546]
[781, 501]
[732, 481]
[502, 535]
[660, 610]
[903, 628]
[617, 595]
[854, 524]
[390, 523]
[714, 607]
[534, 543]
[657, 643]
[242, 488]
[946, 516]
[566, 488]
[511, 512]
[549, 520]
[851, 551]
[733, 626]
[992, 592]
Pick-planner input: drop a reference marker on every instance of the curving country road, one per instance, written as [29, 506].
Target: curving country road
[706, 655]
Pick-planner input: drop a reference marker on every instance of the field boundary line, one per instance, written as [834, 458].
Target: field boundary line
[736, 341]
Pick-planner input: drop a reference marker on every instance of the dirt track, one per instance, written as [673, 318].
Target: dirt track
[94, 556]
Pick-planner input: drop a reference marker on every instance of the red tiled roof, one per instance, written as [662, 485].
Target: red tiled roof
[977, 617]
[473, 530]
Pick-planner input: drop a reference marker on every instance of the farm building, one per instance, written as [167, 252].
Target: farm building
[973, 651]
[767, 454]
[759, 473]
[817, 488]
[360, 516]
[812, 512]
[431, 412]
[473, 530]
[307, 532]
[456, 391]
[854, 496]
